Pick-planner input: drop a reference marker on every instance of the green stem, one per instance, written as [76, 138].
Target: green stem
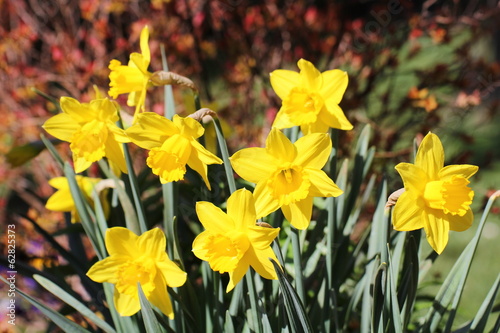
[331, 230]
[253, 301]
[297, 263]
[225, 155]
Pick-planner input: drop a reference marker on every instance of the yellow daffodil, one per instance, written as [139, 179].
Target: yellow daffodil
[172, 145]
[62, 200]
[133, 78]
[310, 98]
[436, 198]
[138, 259]
[287, 175]
[232, 242]
[91, 130]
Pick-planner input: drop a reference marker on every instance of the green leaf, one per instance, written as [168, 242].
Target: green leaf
[481, 318]
[64, 323]
[228, 323]
[295, 310]
[393, 297]
[225, 155]
[379, 291]
[454, 283]
[20, 155]
[53, 151]
[83, 211]
[131, 220]
[73, 302]
[150, 322]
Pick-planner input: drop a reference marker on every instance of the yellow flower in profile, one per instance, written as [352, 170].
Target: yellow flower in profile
[233, 242]
[62, 200]
[288, 175]
[138, 259]
[310, 98]
[92, 131]
[436, 198]
[132, 79]
[172, 145]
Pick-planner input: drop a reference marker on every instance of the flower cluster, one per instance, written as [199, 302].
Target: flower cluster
[287, 175]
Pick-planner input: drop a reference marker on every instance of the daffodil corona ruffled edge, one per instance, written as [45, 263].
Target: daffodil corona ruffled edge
[138, 259]
[232, 241]
[310, 98]
[436, 197]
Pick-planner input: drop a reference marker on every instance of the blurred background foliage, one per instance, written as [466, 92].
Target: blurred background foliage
[413, 66]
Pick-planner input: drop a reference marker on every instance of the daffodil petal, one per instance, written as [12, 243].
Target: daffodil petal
[203, 154]
[79, 112]
[236, 275]
[322, 185]
[61, 201]
[105, 270]
[265, 202]
[141, 62]
[334, 85]
[80, 164]
[253, 164]
[151, 130]
[279, 146]
[198, 160]
[126, 305]
[60, 182]
[317, 127]
[436, 230]
[299, 213]
[414, 178]
[118, 133]
[61, 126]
[282, 120]
[407, 213]
[114, 152]
[121, 241]
[463, 170]
[189, 126]
[144, 43]
[152, 243]
[460, 223]
[200, 248]
[174, 276]
[430, 155]
[313, 150]
[262, 237]
[261, 263]
[332, 115]
[283, 81]
[213, 218]
[105, 109]
[310, 77]
[241, 208]
[159, 297]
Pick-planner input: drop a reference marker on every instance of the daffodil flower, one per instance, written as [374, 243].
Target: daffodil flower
[133, 78]
[62, 200]
[310, 98]
[138, 259]
[288, 175]
[436, 198]
[172, 145]
[233, 242]
[92, 131]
